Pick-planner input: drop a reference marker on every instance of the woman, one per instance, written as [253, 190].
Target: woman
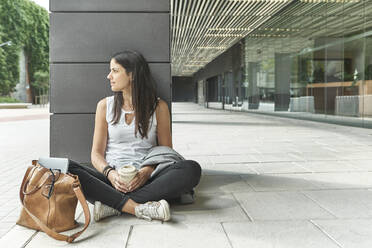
[127, 126]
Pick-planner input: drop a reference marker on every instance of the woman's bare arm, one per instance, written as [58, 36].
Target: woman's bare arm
[163, 129]
[99, 137]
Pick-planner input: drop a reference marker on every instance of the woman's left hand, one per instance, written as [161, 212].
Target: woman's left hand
[140, 179]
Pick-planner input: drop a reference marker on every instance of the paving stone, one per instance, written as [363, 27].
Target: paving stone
[276, 157]
[280, 206]
[209, 208]
[347, 149]
[3, 231]
[16, 237]
[228, 159]
[344, 203]
[336, 139]
[355, 233]
[229, 169]
[278, 168]
[304, 146]
[278, 234]
[194, 152]
[99, 234]
[9, 219]
[328, 166]
[363, 164]
[12, 204]
[357, 155]
[7, 225]
[179, 235]
[278, 182]
[222, 184]
[270, 148]
[315, 156]
[233, 150]
[340, 180]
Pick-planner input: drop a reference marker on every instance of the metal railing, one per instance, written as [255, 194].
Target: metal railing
[42, 98]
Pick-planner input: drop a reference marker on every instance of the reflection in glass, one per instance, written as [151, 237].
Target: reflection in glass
[312, 58]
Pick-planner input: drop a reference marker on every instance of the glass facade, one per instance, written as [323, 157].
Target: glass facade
[312, 60]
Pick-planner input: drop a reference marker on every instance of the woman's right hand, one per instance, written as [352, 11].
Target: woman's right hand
[114, 178]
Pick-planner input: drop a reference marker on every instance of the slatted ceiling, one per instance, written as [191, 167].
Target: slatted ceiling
[316, 12]
[203, 29]
[216, 15]
[368, 9]
[196, 35]
[191, 22]
[215, 21]
[199, 21]
[179, 21]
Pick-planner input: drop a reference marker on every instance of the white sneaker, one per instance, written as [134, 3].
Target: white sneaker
[153, 210]
[102, 211]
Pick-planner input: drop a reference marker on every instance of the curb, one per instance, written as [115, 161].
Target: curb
[14, 105]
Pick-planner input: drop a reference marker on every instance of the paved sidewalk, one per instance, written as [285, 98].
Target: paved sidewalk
[267, 182]
[34, 112]
[24, 135]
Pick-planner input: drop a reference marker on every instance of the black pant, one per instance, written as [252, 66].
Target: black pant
[170, 183]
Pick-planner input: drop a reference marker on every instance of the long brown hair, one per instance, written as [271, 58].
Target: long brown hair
[144, 97]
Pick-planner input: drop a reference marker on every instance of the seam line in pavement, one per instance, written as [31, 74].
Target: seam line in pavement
[318, 204]
[29, 240]
[325, 233]
[129, 235]
[227, 236]
[246, 181]
[245, 212]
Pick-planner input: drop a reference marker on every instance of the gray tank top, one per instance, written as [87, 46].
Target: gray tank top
[122, 146]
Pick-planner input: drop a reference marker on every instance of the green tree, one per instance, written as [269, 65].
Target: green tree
[5, 84]
[27, 25]
[41, 82]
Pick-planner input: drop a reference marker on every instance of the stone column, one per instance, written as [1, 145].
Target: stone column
[236, 63]
[253, 94]
[282, 81]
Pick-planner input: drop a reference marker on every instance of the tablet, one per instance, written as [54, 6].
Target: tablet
[54, 163]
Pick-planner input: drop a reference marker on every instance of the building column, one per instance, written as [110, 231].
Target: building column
[282, 81]
[236, 73]
[84, 35]
[253, 93]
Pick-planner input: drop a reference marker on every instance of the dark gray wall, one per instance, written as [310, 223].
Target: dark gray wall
[83, 36]
[110, 5]
[228, 61]
[183, 89]
[220, 64]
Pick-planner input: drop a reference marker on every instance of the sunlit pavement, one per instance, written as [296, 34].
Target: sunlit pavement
[267, 182]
